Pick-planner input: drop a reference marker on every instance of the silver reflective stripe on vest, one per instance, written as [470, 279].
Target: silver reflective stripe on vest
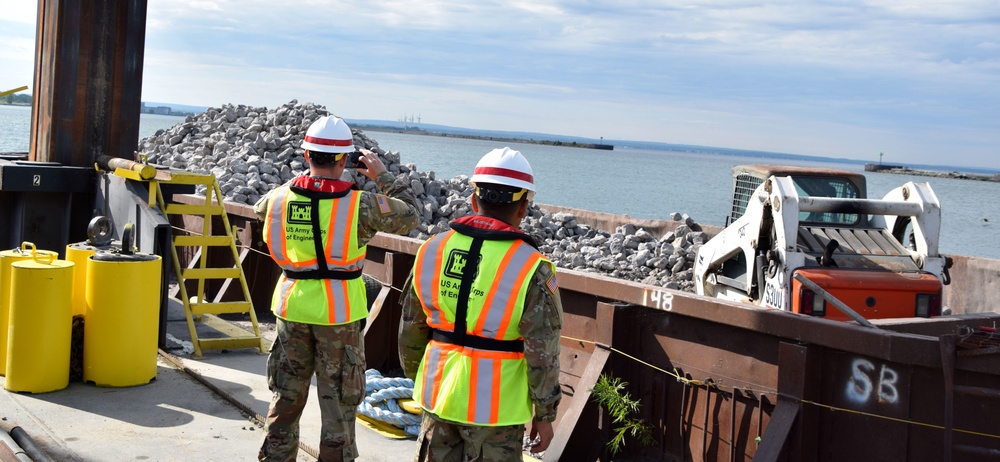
[283, 289]
[484, 388]
[434, 356]
[339, 227]
[275, 226]
[496, 312]
[338, 291]
[428, 276]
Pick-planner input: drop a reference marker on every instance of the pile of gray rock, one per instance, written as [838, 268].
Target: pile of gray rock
[629, 253]
[252, 150]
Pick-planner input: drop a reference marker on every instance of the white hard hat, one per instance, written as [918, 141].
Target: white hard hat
[329, 134]
[504, 166]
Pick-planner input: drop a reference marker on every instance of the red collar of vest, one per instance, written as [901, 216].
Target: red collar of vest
[487, 223]
[321, 184]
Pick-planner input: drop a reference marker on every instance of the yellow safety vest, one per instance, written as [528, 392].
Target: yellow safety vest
[480, 377]
[310, 290]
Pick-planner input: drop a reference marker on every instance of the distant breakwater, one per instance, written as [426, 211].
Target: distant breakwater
[899, 169]
[417, 131]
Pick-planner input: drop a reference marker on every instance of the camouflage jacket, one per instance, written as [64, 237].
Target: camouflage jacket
[397, 211]
[540, 327]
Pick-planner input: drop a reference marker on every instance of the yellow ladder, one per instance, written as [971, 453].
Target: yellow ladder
[197, 308]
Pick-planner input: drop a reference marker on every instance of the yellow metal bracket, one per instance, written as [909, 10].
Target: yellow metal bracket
[10, 92]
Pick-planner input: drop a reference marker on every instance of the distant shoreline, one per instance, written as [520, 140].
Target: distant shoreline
[900, 170]
[172, 114]
[417, 131]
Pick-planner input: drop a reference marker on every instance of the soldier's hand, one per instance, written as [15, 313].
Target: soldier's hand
[371, 165]
[543, 431]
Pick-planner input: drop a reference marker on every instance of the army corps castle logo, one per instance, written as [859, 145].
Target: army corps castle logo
[455, 266]
[299, 213]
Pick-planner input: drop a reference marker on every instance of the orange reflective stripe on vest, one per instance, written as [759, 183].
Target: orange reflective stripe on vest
[466, 384]
[428, 280]
[274, 233]
[432, 366]
[500, 301]
[343, 229]
[290, 237]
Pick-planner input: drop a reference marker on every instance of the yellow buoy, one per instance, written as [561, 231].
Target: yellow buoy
[78, 254]
[122, 319]
[8, 257]
[38, 343]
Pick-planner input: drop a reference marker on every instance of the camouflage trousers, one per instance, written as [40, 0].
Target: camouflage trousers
[335, 354]
[444, 441]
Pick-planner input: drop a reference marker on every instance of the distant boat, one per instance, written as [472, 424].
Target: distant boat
[880, 166]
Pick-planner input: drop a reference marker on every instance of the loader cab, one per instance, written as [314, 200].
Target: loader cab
[808, 181]
[820, 224]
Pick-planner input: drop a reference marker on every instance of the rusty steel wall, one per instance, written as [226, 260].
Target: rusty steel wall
[88, 80]
[721, 381]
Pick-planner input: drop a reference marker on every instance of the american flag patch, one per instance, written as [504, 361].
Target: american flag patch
[551, 284]
[383, 204]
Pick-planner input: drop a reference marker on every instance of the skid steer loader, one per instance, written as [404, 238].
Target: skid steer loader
[808, 240]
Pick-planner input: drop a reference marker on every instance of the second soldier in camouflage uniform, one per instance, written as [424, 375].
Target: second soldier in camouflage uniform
[500, 209]
[319, 313]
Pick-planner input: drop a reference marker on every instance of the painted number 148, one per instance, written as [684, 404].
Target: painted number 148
[658, 299]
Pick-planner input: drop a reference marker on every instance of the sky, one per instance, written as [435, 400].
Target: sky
[915, 80]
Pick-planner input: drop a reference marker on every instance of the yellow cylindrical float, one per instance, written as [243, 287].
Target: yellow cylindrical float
[38, 343]
[122, 319]
[78, 253]
[8, 257]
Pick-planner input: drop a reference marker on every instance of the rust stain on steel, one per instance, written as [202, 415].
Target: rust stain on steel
[86, 98]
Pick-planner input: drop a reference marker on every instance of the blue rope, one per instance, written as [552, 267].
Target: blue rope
[380, 403]
[375, 381]
[399, 419]
[392, 393]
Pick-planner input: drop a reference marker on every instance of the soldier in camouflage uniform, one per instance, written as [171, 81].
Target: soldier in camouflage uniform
[320, 308]
[513, 316]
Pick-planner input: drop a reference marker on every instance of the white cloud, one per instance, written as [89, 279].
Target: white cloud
[837, 78]
[19, 11]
